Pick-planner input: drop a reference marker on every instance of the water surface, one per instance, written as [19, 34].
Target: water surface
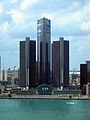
[44, 109]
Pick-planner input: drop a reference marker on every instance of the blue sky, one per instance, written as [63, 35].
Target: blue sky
[69, 18]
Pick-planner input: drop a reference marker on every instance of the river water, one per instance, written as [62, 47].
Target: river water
[44, 109]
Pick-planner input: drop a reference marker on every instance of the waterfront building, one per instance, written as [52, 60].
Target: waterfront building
[88, 89]
[84, 73]
[15, 72]
[74, 78]
[9, 76]
[45, 89]
[60, 63]
[43, 51]
[16, 75]
[27, 63]
[3, 75]
[6, 77]
[87, 62]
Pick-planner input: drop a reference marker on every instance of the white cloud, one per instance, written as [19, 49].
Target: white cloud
[0, 10]
[17, 16]
[76, 4]
[1, 7]
[62, 21]
[49, 15]
[69, 18]
[4, 28]
[26, 3]
[82, 43]
[14, 1]
[87, 8]
[78, 17]
[85, 26]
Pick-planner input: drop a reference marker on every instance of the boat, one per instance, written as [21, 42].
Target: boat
[71, 103]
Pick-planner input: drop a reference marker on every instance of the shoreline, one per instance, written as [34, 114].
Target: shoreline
[46, 97]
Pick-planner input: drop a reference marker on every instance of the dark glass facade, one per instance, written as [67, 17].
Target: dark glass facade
[60, 63]
[88, 72]
[43, 51]
[66, 63]
[22, 79]
[84, 74]
[52, 65]
[32, 72]
[27, 63]
[56, 63]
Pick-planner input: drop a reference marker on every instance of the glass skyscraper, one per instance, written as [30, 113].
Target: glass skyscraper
[84, 74]
[27, 63]
[60, 63]
[43, 50]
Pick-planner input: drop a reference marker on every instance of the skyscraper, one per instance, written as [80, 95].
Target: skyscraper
[84, 73]
[43, 50]
[27, 63]
[60, 63]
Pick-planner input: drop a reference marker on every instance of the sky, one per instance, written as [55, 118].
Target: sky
[69, 19]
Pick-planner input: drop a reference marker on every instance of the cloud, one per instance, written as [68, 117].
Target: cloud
[5, 26]
[79, 43]
[0, 10]
[79, 50]
[4, 30]
[27, 3]
[71, 19]
[85, 26]
[17, 16]
[73, 22]
[49, 16]
[1, 7]
[14, 1]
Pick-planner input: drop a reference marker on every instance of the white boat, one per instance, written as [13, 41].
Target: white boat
[71, 103]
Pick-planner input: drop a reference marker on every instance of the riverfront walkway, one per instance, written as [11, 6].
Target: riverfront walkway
[45, 97]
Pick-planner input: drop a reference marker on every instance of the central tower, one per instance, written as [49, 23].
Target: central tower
[43, 50]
